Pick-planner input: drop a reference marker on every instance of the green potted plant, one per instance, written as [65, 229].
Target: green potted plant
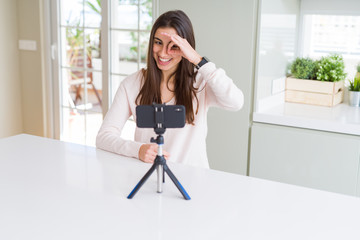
[331, 68]
[303, 68]
[354, 92]
[316, 82]
[358, 70]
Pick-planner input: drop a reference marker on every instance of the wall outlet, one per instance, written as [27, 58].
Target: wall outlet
[29, 45]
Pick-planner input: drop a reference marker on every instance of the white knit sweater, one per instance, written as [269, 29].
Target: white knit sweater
[186, 145]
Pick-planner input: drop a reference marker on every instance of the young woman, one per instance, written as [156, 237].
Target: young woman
[175, 75]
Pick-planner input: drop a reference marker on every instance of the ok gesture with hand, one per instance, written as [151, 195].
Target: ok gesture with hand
[180, 46]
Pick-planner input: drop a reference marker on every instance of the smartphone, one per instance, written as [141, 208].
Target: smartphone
[171, 116]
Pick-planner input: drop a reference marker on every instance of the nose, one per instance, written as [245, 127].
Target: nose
[164, 50]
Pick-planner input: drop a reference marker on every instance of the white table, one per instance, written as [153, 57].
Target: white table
[55, 190]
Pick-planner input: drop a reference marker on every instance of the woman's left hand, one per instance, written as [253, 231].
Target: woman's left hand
[180, 46]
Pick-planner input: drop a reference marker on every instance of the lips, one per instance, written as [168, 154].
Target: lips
[164, 61]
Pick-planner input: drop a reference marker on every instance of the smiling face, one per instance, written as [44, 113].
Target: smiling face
[165, 61]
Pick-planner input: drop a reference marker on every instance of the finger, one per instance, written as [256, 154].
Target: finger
[166, 34]
[174, 37]
[154, 147]
[177, 38]
[181, 42]
[150, 154]
[171, 38]
[149, 160]
[144, 149]
[173, 45]
[174, 49]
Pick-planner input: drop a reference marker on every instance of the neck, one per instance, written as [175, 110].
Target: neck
[165, 78]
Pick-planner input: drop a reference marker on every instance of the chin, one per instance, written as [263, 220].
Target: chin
[164, 68]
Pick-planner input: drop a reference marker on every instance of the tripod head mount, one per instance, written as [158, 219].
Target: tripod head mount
[159, 140]
[159, 119]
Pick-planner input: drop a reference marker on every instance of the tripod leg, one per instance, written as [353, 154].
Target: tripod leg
[176, 182]
[160, 172]
[163, 175]
[142, 181]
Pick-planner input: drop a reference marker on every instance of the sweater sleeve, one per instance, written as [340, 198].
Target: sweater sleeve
[220, 89]
[108, 137]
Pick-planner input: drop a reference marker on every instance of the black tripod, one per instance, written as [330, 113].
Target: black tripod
[159, 162]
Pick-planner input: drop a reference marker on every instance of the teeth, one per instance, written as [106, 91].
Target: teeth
[164, 59]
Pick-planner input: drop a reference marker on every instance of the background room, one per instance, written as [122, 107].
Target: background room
[62, 62]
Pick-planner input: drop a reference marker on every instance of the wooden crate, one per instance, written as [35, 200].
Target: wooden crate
[314, 92]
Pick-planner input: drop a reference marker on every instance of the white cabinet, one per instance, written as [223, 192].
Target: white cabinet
[310, 158]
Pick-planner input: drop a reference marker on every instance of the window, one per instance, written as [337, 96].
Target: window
[130, 26]
[80, 70]
[81, 64]
[324, 34]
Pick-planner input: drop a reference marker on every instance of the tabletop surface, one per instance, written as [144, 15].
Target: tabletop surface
[55, 190]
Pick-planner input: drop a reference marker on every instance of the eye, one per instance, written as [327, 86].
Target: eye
[157, 42]
[175, 47]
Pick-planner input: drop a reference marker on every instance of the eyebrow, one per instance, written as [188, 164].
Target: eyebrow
[158, 39]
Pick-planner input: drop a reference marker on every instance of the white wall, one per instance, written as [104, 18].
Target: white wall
[30, 66]
[21, 95]
[224, 32]
[10, 85]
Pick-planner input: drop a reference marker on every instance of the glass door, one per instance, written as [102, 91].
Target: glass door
[130, 26]
[99, 44]
[80, 70]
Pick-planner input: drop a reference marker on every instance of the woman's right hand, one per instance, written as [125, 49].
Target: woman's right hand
[148, 152]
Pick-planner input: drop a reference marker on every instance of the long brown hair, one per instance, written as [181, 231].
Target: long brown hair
[184, 75]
